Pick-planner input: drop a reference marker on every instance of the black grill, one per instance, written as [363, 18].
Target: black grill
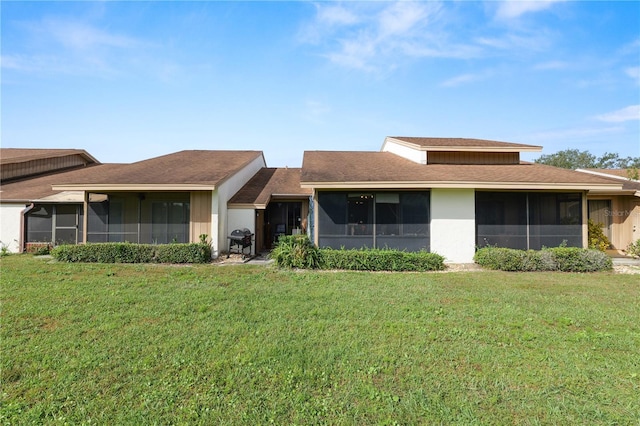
[241, 240]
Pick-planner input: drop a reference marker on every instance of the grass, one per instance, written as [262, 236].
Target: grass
[155, 344]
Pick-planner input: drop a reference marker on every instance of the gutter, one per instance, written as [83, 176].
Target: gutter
[21, 242]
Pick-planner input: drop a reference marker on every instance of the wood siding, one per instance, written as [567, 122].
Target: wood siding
[453, 157]
[200, 215]
[41, 166]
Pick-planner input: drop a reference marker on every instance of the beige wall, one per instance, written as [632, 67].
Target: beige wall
[625, 219]
[200, 209]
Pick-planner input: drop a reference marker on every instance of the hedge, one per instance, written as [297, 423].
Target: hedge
[133, 253]
[296, 251]
[564, 259]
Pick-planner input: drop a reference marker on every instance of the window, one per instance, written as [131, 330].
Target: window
[397, 220]
[528, 220]
[169, 222]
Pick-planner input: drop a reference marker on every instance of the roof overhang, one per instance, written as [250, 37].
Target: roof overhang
[607, 175]
[274, 197]
[518, 148]
[463, 185]
[132, 187]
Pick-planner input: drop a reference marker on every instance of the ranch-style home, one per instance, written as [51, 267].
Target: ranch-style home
[445, 195]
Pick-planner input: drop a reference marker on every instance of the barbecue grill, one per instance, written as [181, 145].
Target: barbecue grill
[240, 239]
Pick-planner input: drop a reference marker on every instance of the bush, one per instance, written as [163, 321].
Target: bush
[296, 251]
[597, 239]
[381, 260]
[133, 253]
[633, 249]
[565, 259]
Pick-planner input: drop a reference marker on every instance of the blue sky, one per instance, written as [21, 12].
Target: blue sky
[132, 80]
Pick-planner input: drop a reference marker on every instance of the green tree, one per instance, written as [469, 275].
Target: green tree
[576, 159]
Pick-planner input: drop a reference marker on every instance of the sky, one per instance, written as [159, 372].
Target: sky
[133, 80]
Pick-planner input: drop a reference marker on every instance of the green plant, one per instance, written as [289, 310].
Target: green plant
[633, 249]
[381, 260]
[565, 259]
[4, 249]
[133, 253]
[296, 251]
[597, 239]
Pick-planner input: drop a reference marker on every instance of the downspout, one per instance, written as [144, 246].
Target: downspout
[23, 231]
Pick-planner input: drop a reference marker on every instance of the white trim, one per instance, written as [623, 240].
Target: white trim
[518, 148]
[463, 185]
[601, 174]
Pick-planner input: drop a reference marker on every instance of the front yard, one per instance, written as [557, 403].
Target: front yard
[145, 344]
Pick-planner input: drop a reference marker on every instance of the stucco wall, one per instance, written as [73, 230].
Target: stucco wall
[240, 219]
[414, 155]
[10, 215]
[453, 229]
[220, 213]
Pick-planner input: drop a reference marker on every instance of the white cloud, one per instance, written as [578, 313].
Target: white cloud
[516, 8]
[463, 79]
[80, 35]
[376, 36]
[634, 73]
[630, 113]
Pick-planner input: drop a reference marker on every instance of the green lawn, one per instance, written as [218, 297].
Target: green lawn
[145, 344]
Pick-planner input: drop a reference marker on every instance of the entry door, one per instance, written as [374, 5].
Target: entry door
[600, 212]
[68, 220]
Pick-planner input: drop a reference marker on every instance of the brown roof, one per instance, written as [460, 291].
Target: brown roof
[29, 189]
[207, 168]
[619, 175]
[462, 143]
[342, 169]
[20, 155]
[268, 183]
[624, 173]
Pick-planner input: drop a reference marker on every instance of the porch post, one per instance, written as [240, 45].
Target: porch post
[585, 220]
[85, 217]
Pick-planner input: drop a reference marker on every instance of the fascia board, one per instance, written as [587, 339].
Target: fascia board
[461, 185]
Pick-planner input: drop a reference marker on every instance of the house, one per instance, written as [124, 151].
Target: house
[26, 175]
[171, 198]
[618, 212]
[271, 204]
[446, 195]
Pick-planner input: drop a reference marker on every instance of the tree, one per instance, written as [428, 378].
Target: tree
[576, 159]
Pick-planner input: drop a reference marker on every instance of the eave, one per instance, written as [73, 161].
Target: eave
[463, 185]
[133, 187]
[520, 148]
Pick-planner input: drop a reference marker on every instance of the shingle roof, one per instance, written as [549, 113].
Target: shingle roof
[20, 155]
[426, 142]
[270, 182]
[39, 187]
[196, 167]
[349, 167]
[619, 175]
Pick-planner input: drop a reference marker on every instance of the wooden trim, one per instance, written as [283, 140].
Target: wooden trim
[200, 215]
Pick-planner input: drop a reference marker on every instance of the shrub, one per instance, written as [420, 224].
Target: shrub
[133, 253]
[566, 259]
[633, 249]
[296, 251]
[381, 260]
[597, 239]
